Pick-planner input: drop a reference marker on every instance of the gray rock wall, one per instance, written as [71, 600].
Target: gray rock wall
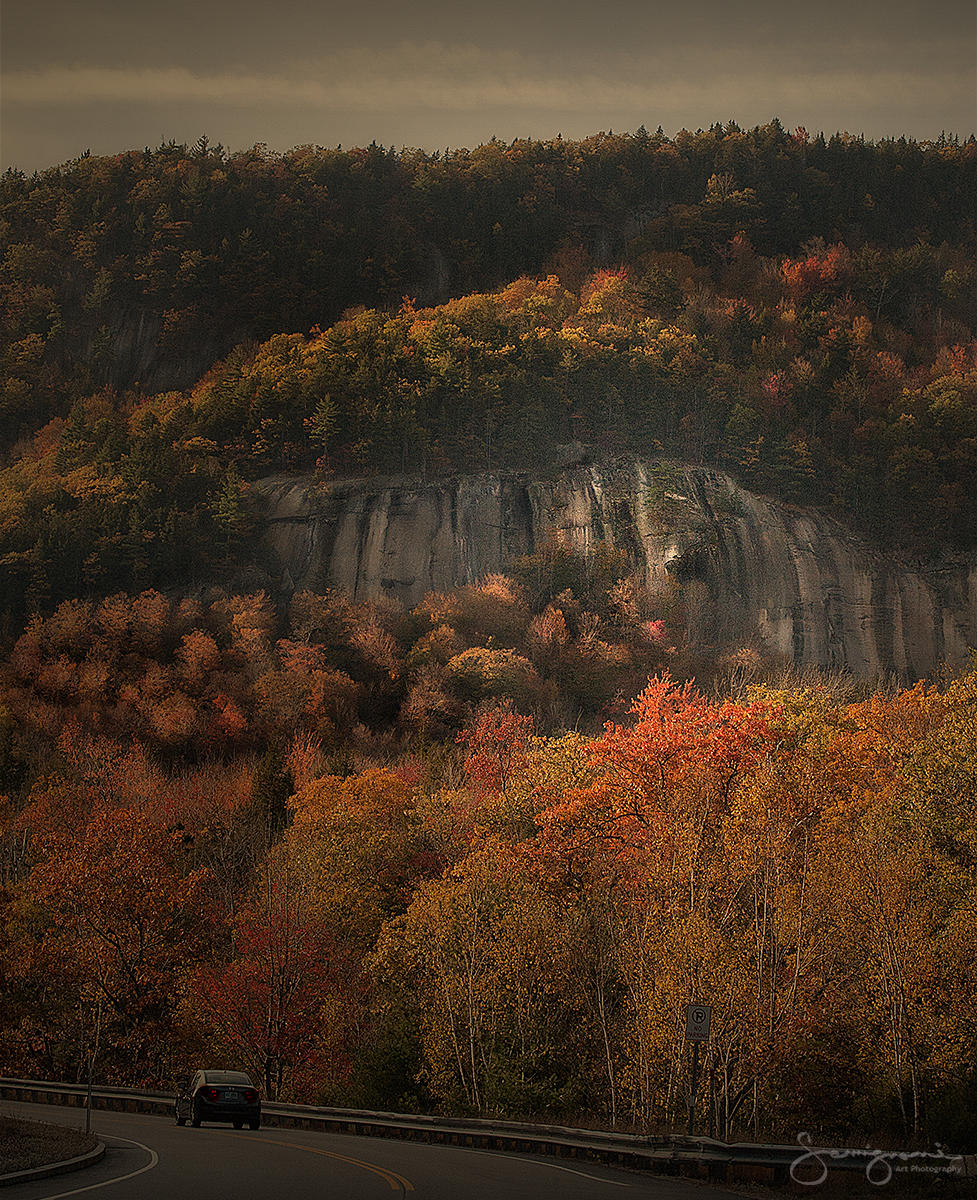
[747, 567]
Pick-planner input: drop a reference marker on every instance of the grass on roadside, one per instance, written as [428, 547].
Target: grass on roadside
[27, 1144]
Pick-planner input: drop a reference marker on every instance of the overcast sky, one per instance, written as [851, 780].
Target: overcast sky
[109, 75]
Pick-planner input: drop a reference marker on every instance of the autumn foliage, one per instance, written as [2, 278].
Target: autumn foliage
[508, 921]
[775, 316]
[478, 855]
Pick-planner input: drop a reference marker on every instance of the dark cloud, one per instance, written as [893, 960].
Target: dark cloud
[108, 75]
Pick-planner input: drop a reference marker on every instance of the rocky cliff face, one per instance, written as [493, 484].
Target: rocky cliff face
[746, 567]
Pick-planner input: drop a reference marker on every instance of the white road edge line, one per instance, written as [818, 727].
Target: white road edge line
[541, 1163]
[153, 1160]
[569, 1170]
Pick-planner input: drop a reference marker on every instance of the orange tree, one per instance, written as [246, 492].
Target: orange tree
[110, 904]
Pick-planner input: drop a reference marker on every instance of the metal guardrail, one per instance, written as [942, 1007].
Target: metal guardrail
[704, 1158]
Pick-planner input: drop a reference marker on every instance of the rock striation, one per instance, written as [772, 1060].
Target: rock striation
[746, 568]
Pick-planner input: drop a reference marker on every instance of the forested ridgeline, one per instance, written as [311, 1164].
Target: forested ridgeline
[800, 310]
[840, 377]
[144, 267]
[263, 846]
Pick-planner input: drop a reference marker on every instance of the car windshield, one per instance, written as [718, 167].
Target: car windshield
[227, 1077]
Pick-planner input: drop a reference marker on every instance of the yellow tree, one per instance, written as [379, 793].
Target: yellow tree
[486, 953]
[357, 847]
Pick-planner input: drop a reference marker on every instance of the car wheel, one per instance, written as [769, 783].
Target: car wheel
[254, 1124]
[195, 1118]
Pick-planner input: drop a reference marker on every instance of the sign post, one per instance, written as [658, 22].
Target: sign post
[92, 1051]
[698, 1018]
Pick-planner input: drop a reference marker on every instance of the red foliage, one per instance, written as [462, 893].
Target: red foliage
[830, 269]
[497, 747]
[679, 735]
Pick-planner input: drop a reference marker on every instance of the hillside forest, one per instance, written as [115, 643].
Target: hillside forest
[476, 856]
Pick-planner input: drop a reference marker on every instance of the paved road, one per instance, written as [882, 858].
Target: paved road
[150, 1158]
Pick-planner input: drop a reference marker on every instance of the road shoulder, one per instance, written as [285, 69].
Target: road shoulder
[35, 1150]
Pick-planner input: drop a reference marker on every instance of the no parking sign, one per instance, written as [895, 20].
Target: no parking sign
[698, 1018]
